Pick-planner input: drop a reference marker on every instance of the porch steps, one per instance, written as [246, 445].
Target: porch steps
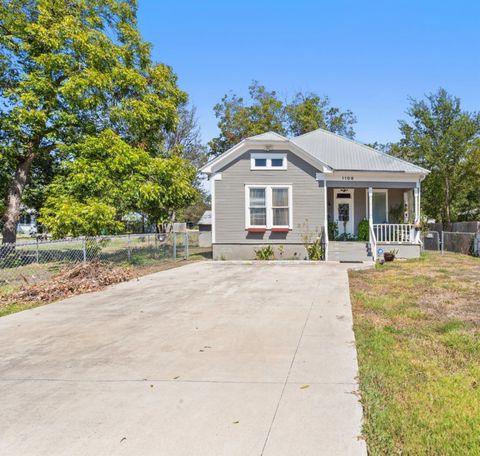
[348, 251]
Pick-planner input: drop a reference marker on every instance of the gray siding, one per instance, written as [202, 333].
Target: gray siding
[395, 197]
[307, 200]
[360, 203]
[330, 204]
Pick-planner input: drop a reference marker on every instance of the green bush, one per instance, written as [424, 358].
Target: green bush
[315, 250]
[265, 253]
[332, 230]
[363, 229]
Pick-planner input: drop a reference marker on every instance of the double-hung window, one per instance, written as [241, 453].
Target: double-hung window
[280, 206]
[258, 206]
[268, 206]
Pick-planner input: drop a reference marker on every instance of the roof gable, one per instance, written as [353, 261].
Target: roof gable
[345, 154]
[269, 141]
[269, 136]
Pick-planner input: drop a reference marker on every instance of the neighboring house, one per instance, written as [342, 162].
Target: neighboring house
[27, 223]
[205, 230]
[270, 190]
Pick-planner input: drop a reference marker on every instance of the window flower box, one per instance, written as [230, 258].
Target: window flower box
[256, 230]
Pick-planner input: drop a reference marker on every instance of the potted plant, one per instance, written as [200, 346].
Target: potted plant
[390, 256]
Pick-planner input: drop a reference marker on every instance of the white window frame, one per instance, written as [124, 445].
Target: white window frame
[350, 201]
[247, 205]
[268, 157]
[268, 203]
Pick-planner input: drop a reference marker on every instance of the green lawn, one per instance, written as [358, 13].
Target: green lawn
[417, 327]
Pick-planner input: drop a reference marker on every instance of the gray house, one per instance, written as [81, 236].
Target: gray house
[271, 190]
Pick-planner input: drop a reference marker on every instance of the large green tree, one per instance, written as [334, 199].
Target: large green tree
[185, 141]
[108, 178]
[443, 138]
[264, 111]
[71, 68]
[238, 119]
[307, 112]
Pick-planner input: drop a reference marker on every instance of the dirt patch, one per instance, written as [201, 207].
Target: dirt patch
[162, 266]
[82, 278]
[75, 280]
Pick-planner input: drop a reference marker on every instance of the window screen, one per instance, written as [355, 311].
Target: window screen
[280, 206]
[258, 209]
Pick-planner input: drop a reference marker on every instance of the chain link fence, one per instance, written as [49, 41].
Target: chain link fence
[458, 242]
[449, 241]
[33, 260]
[431, 241]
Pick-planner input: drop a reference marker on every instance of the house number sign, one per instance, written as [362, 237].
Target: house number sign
[347, 178]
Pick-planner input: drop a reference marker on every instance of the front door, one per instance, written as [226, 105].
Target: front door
[343, 210]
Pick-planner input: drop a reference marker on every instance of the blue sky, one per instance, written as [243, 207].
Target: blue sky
[368, 56]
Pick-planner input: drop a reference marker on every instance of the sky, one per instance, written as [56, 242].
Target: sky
[367, 56]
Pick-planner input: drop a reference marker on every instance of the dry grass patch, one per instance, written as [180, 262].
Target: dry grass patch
[417, 327]
[74, 280]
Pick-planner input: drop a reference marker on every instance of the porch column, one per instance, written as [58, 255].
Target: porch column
[417, 202]
[370, 217]
[370, 210]
[417, 211]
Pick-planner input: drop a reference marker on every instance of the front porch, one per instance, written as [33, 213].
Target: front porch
[372, 219]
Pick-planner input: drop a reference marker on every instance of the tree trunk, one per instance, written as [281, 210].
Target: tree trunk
[12, 214]
[447, 199]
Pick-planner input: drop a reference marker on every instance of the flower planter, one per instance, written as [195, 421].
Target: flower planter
[256, 230]
[387, 256]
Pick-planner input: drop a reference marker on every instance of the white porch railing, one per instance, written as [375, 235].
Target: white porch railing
[398, 233]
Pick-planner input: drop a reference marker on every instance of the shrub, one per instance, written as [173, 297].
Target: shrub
[315, 250]
[265, 253]
[332, 230]
[363, 230]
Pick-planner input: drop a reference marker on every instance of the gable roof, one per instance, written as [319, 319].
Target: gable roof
[323, 149]
[206, 218]
[269, 141]
[345, 154]
[269, 136]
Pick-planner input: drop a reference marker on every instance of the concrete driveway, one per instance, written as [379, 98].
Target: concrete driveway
[207, 359]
